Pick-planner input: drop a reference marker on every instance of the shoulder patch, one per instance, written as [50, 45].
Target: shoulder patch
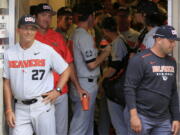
[88, 53]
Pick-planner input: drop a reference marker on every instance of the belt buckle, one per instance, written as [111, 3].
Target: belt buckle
[90, 80]
[29, 102]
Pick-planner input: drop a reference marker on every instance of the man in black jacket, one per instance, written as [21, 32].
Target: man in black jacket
[150, 88]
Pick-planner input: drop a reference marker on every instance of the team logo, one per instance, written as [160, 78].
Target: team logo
[29, 19]
[46, 7]
[36, 53]
[152, 62]
[88, 53]
[164, 78]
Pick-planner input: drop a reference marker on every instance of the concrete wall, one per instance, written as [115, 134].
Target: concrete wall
[176, 23]
[175, 18]
[1, 105]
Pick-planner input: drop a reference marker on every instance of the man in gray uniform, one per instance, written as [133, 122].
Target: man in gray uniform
[116, 64]
[87, 62]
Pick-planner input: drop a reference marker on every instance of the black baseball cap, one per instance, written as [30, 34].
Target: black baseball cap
[147, 7]
[44, 7]
[85, 9]
[168, 32]
[64, 11]
[27, 20]
[33, 9]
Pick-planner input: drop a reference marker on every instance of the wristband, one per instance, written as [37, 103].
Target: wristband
[8, 110]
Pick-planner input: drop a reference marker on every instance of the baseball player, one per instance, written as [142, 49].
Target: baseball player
[52, 38]
[64, 21]
[152, 21]
[87, 62]
[118, 54]
[28, 79]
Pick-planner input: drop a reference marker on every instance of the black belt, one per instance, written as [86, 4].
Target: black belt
[29, 101]
[90, 80]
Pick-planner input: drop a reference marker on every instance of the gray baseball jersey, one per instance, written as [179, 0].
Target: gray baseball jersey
[119, 49]
[30, 70]
[149, 41]
[118, 52]
[84, 52]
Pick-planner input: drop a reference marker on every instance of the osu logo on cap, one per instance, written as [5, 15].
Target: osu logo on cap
[46, 7]
[29, 19]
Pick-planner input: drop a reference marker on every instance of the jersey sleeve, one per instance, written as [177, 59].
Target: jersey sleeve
[57, 62]
[134, 75]
[149, 42]
[119, 50]
[5, 66]
[89, 52]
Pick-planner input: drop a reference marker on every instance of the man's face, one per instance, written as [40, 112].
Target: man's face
[27, 33]
[91, 20]
[75, 18]
[64, 22]
[44, 20]
[139, 18]
[167, 45]
[124, 20]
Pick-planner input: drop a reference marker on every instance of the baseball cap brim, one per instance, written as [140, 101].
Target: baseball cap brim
[51, 12]
[34, 25]
[44, 7]
[176, 39]
[38, 11]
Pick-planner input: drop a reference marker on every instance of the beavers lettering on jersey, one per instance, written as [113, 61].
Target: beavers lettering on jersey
[26, 63]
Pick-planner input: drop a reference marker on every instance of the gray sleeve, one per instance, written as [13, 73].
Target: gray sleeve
[149, 42]
[87, 47]
[119, 50]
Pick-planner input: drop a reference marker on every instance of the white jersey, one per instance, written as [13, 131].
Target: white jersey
[30, 70]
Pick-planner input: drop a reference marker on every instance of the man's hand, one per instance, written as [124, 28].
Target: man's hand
[107, 49]
[136, 125]
[81, 91]
[10, 118]
[50, 96]
[175, 127]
